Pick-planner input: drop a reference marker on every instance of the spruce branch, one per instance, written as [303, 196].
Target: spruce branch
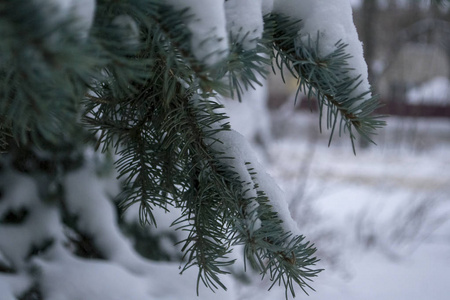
[242, 66]
[325, 77]
[164, 134]
[227, 197]
[286, 258]
[42, 74]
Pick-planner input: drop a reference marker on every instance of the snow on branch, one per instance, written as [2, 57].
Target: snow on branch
[207, 24]
[333, 20]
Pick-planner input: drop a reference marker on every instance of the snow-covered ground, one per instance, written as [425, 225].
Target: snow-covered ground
[436, 91]
[380, 219]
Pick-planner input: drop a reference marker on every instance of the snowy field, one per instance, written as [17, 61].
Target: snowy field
[380, 218]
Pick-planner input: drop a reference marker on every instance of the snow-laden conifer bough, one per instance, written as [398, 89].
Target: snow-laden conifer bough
[144, 75]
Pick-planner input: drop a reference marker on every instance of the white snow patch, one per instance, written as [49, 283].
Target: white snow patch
[5, 290]
[66, 277]
[82, 11]
[13, 285]
[42, 223]
[356, 3]
[208, 27]
[86, 197]
[245, 21]
[334, 21]
[251, 117]
[236, 146]
[267, 6]
[435, 91]
[20, 192]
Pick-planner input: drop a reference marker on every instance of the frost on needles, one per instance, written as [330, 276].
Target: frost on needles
[139, 84]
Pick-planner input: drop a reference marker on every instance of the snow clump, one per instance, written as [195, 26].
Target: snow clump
[208, 27]
[333, 20]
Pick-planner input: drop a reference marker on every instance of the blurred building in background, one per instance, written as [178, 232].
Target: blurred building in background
[407, 47]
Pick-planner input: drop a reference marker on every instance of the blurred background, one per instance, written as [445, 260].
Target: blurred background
[380, 218]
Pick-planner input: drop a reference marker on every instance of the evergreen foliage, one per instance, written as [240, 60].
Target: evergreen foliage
[325, 78]
[142, 95]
